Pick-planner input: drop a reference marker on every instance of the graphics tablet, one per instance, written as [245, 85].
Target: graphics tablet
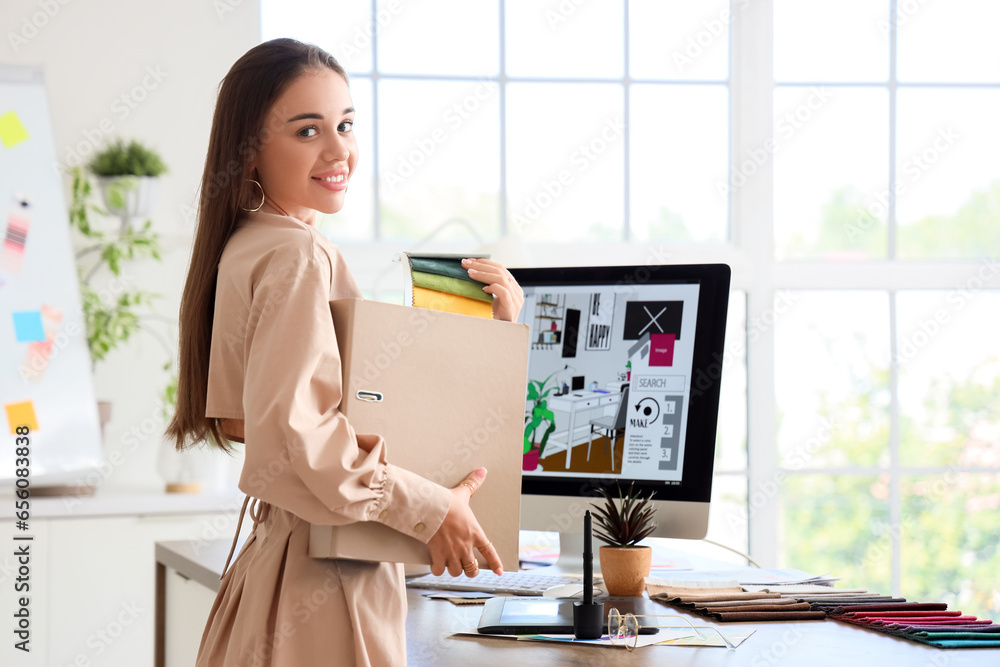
[538, 615]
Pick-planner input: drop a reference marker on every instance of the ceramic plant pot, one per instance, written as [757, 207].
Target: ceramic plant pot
[625, 569]
[530, 460]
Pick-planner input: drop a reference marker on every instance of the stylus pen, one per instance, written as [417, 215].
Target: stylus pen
[588, 561]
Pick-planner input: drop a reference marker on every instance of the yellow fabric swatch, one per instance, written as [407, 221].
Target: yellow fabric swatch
[21, 414]
[12, 132]
[451, 303]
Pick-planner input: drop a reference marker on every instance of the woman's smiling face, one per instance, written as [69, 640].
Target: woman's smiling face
[308, 152]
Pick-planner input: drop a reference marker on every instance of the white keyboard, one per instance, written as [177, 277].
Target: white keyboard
[513, 583]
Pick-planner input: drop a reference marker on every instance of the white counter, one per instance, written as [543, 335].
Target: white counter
[115, 502]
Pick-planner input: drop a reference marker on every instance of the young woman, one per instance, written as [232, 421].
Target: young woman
[259, 363]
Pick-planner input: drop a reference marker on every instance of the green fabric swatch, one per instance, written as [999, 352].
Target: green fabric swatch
[442, 267]
[451, 285]
[957, 635]
[965, 643]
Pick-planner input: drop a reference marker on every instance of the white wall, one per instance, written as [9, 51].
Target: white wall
[150, 71]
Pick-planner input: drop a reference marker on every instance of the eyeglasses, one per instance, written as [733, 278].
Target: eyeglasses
[625, 628]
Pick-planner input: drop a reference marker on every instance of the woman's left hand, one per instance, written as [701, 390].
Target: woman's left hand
[508, 297]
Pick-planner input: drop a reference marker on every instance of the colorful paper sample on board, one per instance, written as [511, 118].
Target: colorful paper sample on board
[28, 326]
[21, 414]
[18, 222]
[36, 361]
[12, 130]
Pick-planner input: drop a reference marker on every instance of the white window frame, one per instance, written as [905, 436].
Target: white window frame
[750, 252]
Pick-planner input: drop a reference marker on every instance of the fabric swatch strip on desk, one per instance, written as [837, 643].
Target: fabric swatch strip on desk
[926, 622]
[738, 607]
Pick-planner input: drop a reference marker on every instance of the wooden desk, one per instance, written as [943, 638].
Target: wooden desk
[430, 624]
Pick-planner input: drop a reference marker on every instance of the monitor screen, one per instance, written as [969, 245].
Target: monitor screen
[627, 360]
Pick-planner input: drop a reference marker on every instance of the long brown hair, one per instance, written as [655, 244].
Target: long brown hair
[246, 94]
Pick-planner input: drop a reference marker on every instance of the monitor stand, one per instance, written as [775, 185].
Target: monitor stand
[570, 559]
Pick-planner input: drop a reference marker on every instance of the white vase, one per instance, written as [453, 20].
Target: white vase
[140, 194]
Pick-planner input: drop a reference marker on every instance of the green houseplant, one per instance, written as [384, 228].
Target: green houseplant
[112, 314]
[128, 174]
[538, 391]
[625, 564]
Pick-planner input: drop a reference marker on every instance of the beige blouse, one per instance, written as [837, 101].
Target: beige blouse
[275, 365]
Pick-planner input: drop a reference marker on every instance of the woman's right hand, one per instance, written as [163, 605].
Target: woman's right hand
[452, 546]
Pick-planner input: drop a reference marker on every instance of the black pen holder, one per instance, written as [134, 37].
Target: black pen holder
[588, 620]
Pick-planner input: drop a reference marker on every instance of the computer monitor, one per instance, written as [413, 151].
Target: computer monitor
[648, 343]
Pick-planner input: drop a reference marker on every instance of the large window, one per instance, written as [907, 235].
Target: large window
[842, 157]
[510, 119]
[887, 413]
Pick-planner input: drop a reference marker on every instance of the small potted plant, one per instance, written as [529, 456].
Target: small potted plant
[624, 564]
[111, 315]
[540, 413]
[127, 175]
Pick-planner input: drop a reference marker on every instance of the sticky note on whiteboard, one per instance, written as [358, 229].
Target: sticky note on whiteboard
[28, 326]
[36, 359]
[12, 130]
[21, 414]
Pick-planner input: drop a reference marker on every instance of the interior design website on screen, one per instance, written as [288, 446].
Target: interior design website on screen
[618, 363]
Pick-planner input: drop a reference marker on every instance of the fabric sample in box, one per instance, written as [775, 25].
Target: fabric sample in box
[438, 281]
[457, 286]
[451, 303]
[442, 265]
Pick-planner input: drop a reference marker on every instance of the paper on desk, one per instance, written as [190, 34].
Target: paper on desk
[644, 640]
[671, 565]
[665, 637]
[694, 579]
[448, 595]
[711, 639]
[803, 589]
[783, 577]
[745, 577]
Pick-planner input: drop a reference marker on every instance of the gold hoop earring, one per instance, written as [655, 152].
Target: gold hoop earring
[261, 197]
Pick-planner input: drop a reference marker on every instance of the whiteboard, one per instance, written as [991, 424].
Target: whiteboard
[45, 369]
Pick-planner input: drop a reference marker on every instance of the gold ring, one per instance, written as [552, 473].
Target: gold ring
[470, 485]
[485, 546]
[471, 567]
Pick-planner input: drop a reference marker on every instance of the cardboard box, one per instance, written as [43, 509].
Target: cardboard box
[447, 392]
